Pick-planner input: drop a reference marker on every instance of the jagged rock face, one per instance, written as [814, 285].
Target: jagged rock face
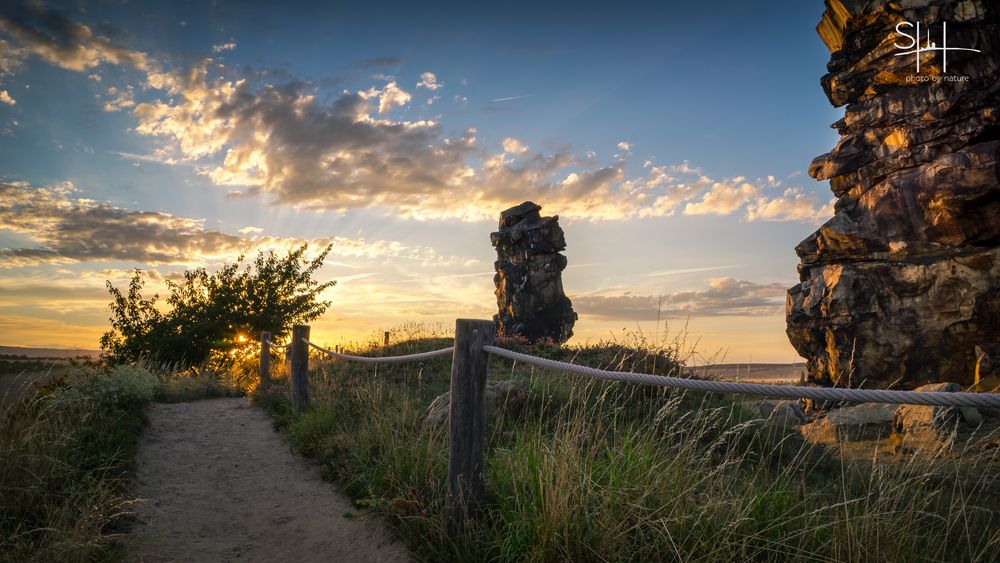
[528, 277]
[903, 283]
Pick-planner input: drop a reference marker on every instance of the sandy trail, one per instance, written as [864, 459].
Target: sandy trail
[220, 484]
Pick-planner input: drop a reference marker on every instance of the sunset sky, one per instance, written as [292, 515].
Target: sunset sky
[671, 138]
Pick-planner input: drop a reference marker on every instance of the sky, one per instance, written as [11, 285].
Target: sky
[671, 138]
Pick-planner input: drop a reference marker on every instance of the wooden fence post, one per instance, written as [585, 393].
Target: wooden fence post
[385, 341]
[300, 367]
[466, 422]
[265, 358]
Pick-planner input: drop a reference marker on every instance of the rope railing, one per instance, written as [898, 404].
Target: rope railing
[945, 399]
[470, 354]
[275, 346]
[384, 359]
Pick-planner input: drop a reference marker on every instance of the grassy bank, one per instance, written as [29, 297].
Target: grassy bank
[589, 471]
[65, 453]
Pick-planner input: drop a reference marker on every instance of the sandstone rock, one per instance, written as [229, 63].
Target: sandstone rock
[902, 284]
[529, 290]
[867, 421]
[510, 395]
[922, 426]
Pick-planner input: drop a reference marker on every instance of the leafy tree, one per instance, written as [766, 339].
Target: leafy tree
[216, 316]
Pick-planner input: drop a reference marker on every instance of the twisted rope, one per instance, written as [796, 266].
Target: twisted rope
[962, 399]
[386, 359]
[275, 346]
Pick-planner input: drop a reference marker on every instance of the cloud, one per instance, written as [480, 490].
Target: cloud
[11, 57]
[121, 98]
[624, 146]
[723, 297]
[513, 146]
[67, 228]
[510, 98]
[278, 140]
[62, 42]
[228, 46]
[793, 205]
[6, 99]
[391, 97]
[723, 198]
[429, 80]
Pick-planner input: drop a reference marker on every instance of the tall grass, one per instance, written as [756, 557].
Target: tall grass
[595, 471]
[65, 453]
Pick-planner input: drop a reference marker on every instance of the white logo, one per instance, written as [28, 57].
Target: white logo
[916, 49]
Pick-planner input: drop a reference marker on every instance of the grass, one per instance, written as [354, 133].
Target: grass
[593, 471]
[65, 454]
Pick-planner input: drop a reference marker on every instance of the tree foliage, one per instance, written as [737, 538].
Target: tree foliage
[215, 316]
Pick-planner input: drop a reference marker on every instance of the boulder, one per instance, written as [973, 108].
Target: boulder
[934, 427]
[902, 284]
[785, 413]
[510, 395]
[530, 299]
[867, 421]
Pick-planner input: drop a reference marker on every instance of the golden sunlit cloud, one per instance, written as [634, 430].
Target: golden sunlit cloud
[68, 229]
[279, 140]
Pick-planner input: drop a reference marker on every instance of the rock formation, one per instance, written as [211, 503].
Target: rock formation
[903, 283]
[528, 277]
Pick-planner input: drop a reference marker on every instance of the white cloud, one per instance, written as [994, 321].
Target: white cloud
[391, 97]
[513, 146]
[6, 99]
[723, 198]
[793, 205]
[430, 81]
[228, 46]
[624, 146]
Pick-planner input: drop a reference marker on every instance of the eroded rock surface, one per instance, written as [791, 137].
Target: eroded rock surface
[902, 284]
[529, 290]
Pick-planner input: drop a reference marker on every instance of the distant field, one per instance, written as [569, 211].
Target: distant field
[47, 352]
[21, 369]
[771, 373]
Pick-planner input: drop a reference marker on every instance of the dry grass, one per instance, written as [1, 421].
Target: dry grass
[591, 471]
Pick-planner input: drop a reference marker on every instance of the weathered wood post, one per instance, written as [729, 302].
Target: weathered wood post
[265, 358]
[300, 367]
[385, 341]
[466, 421]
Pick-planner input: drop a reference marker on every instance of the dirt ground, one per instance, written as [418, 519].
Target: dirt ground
[218, 483]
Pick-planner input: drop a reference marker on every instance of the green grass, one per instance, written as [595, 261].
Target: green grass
[65, 456]
[592, 471]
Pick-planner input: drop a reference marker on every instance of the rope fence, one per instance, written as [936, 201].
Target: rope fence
[944, 399]
[384, 359]
[470, 359]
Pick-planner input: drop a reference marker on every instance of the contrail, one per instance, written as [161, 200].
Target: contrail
[512, 98]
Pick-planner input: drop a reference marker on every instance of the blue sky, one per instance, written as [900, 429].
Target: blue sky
[672, 139]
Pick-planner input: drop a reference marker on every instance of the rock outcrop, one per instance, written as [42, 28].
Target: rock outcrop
[902, 284]
[529, 290]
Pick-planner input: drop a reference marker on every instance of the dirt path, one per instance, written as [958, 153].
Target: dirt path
[220, 484]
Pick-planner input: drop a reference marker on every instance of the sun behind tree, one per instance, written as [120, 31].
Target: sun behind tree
[215, 317]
